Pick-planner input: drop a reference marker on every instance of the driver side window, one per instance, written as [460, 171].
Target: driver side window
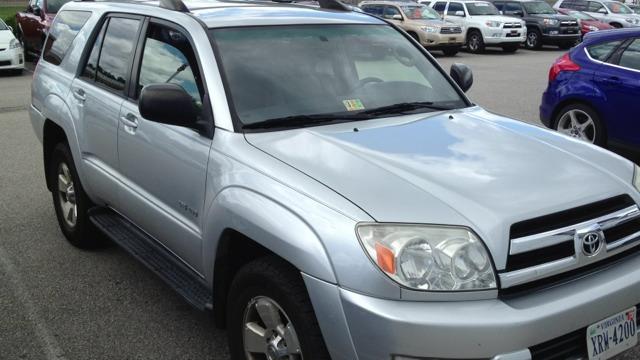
[390, 12]
[595, 7]
[169, 58]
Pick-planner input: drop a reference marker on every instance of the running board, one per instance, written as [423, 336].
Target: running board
[144, 248]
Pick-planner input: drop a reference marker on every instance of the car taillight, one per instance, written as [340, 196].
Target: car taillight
[564, 63]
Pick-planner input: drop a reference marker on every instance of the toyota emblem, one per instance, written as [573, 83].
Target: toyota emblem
[591, 243]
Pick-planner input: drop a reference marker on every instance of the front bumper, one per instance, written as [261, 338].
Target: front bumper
[504, 36]
[485, 329]
[555, 36]
[12, 59]
[439, 41]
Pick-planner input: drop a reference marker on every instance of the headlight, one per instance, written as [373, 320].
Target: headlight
[631, 20]
[551, 22]
[592, 28]
[494, 24]
[429, 257]
[636, 177]
[430, 29]
[14, 44]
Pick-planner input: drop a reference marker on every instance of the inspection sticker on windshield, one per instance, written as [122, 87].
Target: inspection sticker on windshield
[611, 336]
[353, 105]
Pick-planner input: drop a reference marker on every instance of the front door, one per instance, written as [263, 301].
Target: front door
[164, 165]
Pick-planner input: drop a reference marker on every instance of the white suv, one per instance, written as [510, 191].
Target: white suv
[484, 24]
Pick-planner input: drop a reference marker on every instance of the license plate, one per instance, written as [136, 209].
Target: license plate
[514, 31]
[452, 39]
[611, 336]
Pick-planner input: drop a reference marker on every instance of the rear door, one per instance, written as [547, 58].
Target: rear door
[620, 80]
[165, 166]
[98, 93]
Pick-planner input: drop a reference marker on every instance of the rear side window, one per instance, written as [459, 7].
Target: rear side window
[64, 30]
[631, 56]
[601, 52]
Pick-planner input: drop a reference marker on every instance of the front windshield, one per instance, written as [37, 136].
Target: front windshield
[420, 12]
[580, 15]
[482, 8]
[538, 7]
[346, 72]
[618, 8]
[53, 6]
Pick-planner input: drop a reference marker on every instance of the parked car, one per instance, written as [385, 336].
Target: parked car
[594, 89]
[318, 182]
[483, 24]
[11, 55]
[544, 25]
[421, 22]
[613, 13]
[33, 24]
[634, 7]
[587, 22]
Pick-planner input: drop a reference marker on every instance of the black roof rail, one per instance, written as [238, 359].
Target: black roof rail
[176, 5]
[334, 5]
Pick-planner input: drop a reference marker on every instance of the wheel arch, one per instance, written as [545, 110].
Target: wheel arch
[572, 100]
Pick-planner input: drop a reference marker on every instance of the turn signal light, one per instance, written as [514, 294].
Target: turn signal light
[385, 258]
[564, 63]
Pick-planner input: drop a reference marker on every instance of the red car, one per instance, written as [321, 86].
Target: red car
[587, 22]
[33, 23]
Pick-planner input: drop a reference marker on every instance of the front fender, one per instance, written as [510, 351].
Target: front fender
[269, 223]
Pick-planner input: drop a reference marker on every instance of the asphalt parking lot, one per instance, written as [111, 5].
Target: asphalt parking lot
[58, 302]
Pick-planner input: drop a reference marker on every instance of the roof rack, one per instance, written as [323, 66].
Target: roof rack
[179, 5]
[176, 5]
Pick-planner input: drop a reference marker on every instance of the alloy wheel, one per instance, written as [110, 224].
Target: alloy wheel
[578, 124]
[67, 195]
[268, 333]
[474, 43]
[532, 40]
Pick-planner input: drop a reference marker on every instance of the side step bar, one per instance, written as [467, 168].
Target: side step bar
[155, 257]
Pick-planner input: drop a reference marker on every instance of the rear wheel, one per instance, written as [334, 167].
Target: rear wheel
[510, 48]
[581, 122]
[534, 40]
[451, 51]
[70, 201]
[270, 315]
[475, 42]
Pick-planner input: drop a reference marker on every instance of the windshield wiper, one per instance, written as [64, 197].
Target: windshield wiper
[402, 108]
[304, 120]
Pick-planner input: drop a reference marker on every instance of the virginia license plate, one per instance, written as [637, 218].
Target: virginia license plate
[611, 336]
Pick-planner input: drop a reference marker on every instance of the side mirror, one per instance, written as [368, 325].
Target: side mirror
[462, 75]
[397, 17]
[602, 11]
[459, 13]
[167, 104]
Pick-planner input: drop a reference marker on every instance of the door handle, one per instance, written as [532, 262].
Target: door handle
[130, 120]
[79, 94]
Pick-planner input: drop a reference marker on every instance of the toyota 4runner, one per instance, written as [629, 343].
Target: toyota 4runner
[315, 180]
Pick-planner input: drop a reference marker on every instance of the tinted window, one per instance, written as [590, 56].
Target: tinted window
[64, 29]
[602, 51]
[54, 5]
[439, 7]
[169, 58]
[594, 6]
[89, 70]
[631, 56]
[455, 7]
[389, 11]
[513, 7]
[117, 51]
[538, 7]
[373, 9]
[498, 5]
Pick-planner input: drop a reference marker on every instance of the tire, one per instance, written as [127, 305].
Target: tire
[617, 25]
[475, 42]
[510, 48]
[271, 281]
[451, 51]
[80, 233]
[534, 40]
[18, 72]
[562, 123]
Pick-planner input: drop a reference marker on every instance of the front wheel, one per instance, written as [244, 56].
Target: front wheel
[534, 40]
[270, 315]
[581, 122]
[475, 42]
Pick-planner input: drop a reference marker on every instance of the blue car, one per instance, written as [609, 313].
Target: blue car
[594, 90]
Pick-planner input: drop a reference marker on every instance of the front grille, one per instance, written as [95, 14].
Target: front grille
[512, 26]
[573, 345]
[450, 30]
[543, 252]
[5, 63]
[568, 23]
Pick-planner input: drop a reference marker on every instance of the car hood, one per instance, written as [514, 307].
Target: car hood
[434, 22]
[467, 167]
[560, 17]
[5, 38]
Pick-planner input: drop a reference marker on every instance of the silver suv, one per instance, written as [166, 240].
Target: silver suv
[614, 13]
[312, 177]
